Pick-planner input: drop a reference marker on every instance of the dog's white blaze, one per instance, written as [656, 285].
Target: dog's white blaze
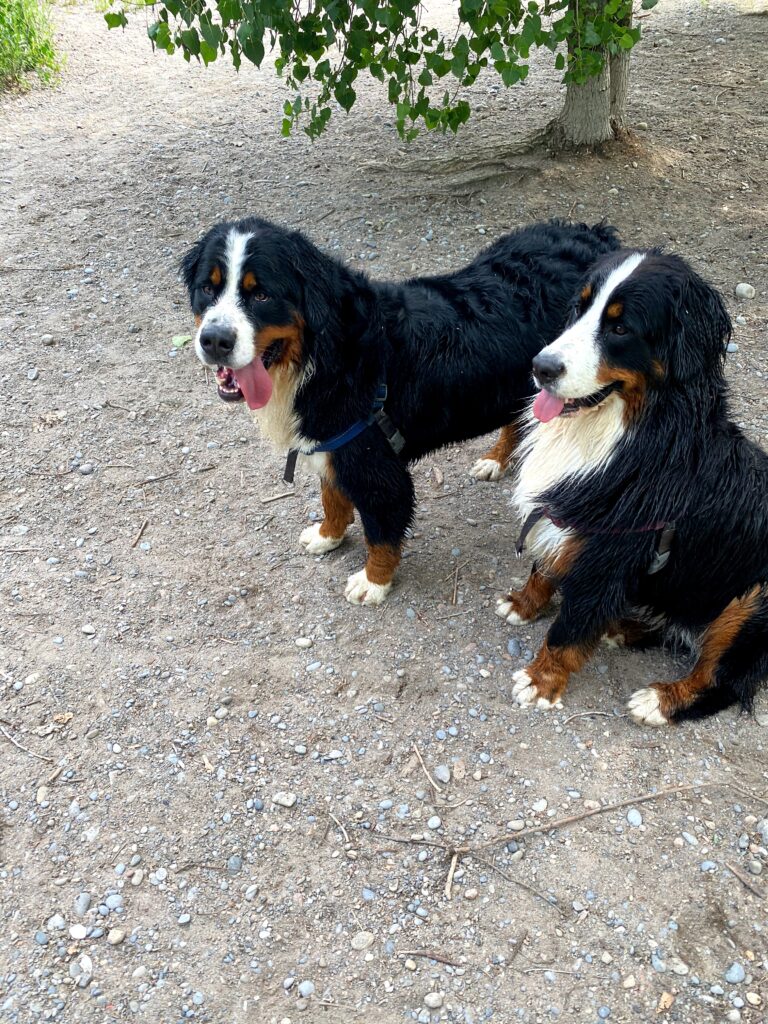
[577, 347]
[227, 311]
[566, 446]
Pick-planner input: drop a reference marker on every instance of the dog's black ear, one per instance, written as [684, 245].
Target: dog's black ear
[189, 264]
[700, 328]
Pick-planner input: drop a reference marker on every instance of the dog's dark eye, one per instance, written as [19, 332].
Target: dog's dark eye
[208, 289]
[619, 329]
[259, 297]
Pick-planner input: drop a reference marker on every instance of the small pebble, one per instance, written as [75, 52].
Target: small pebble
[306, 988]
[115, 936]
[41, 938]
[731, 347]
[735, 974]
[88, 629]
[33, 374]
[78, 931]
[443, 773]
[362, 940]
[284, 799]
[184, 918]
[47, 340]
[234, 864]
[514, 648]
[745, 291]
[634, 817]
[303, 641]
[433, 1000]
[604, 1013]
[82, 903]
[434, 822]
[409, 964]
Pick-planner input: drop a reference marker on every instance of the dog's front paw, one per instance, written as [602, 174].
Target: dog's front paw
[314, 544]
[645, 707]
[527, 693]
[360, 590]
[487, 469]
[510, 608]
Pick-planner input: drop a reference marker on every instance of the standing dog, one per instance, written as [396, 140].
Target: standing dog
[364, 377]
[645, 505]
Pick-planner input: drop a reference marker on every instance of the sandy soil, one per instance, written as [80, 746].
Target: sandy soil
[154, 700]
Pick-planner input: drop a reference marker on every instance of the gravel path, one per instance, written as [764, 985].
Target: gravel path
[225, 794]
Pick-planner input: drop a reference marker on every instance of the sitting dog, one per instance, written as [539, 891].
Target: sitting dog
[363, 377]
[645, 505]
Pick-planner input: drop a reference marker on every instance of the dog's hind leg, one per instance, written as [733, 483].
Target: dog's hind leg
[732, 662]
[494, 464]
[339, 514]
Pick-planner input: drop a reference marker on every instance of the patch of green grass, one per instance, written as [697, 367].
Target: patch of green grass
[26, 42]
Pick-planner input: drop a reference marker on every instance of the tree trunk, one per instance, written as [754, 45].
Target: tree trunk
[585, 119]
[619, 72]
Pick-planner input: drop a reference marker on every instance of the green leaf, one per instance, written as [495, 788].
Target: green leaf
[626, 42]
[116, 19]
[648, 4]
[208, 53]
[181, 340]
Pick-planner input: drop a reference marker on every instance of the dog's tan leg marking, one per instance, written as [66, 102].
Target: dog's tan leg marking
[339, 514]
[526, 604]
[372, 584]
[493, 465]
[658, 703]
[543, 683]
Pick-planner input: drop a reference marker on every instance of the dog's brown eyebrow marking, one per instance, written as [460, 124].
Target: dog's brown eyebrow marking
[586, 292]
[615, 310]
[249, 281]
[215, 276]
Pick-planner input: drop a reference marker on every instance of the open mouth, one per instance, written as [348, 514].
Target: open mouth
[227, 385]
[250, 383]
[547, 406]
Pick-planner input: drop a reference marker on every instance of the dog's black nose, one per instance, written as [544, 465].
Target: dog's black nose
[218, 341]
[548, 367]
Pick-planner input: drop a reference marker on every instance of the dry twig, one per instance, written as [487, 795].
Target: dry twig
[558, 823]
[521, 885]
[40, 757]
[745, 880]
[431, 781]
[140, 534]
[429, 954]
[451, 873]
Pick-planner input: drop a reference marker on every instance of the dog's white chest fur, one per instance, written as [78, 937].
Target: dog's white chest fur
[278, 421]
[566, 446]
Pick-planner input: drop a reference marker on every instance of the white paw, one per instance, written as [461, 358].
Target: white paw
[360, 590]
[504, 610]
[314, 543]
[526, 694]
[487, 469]
[644, 707]
[614, 640]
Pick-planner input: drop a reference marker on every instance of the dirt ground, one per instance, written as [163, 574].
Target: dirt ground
[154, 699]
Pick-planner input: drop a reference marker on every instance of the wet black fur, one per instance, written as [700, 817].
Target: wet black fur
[455, 349]
[683, 461]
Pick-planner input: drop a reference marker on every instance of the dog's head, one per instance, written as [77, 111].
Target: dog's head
[257, 292]
[642, 321]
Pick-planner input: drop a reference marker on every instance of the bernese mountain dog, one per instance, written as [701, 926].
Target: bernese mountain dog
[645, 506]
[363, 377]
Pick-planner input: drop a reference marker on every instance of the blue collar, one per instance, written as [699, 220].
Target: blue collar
[376, 415]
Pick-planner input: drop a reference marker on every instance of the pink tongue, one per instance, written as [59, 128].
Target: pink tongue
[546, 406]
[255, 383]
